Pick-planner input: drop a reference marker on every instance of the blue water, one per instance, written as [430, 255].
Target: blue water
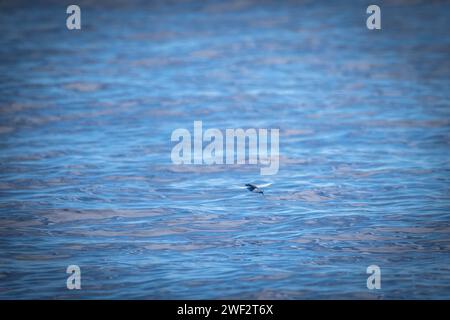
[86, 176]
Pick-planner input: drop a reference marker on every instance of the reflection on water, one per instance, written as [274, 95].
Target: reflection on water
[85, 172]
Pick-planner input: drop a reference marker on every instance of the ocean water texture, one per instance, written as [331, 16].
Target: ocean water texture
[86, 176]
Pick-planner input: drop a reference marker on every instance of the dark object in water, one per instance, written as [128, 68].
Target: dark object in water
[253, 188]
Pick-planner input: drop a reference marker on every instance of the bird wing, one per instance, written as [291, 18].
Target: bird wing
[264, 185]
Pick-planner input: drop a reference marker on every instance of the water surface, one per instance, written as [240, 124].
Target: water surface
[86, 176]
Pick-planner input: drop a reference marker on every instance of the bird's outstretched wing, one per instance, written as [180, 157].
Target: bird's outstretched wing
[264, 185]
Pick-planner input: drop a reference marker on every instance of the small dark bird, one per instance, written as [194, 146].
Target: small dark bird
[253, 188]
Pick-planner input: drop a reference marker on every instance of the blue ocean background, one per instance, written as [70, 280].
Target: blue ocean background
[86, 176]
